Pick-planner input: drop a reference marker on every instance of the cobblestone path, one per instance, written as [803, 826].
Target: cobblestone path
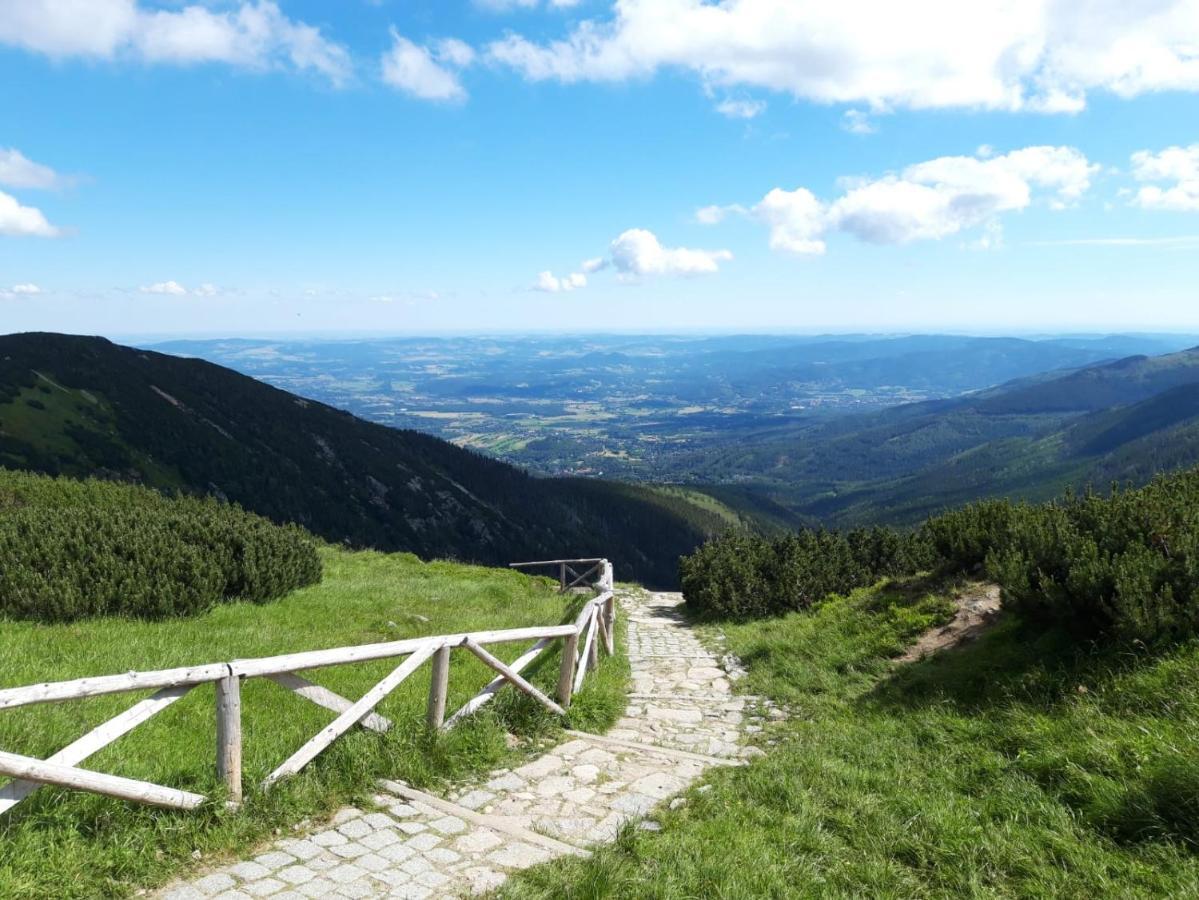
[682, 718]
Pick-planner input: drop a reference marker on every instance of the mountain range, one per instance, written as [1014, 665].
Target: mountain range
[83, 406]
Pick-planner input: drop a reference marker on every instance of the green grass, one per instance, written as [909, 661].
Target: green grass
[1023, 765]
[80, 845]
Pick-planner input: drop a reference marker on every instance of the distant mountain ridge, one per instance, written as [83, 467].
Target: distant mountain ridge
[84, 406]
[1123, 420]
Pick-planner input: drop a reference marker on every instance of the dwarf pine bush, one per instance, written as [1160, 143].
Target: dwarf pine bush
[73, 549]
[1124, 564]
[743, 576]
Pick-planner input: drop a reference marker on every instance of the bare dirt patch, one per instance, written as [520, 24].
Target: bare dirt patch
[977, 609]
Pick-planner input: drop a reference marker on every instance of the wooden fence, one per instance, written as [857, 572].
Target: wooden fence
[593, 625]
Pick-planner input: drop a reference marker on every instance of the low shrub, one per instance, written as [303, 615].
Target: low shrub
[743, 576]
[75, 549]
[1123, 565]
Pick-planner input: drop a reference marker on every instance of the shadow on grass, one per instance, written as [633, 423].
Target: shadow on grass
[1101, 727]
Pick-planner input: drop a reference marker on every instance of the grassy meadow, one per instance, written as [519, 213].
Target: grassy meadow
[67, 844]
[1023, 765]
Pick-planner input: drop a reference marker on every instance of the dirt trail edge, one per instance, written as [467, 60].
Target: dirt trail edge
[978, 606]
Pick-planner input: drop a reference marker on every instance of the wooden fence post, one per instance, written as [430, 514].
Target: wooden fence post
[228, 735]
[609, 615]
[562, 577]
[439, 684]
[566, 673]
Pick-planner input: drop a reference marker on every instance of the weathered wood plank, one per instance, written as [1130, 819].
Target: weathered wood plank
[552, 562]
[354, 714]
[439, 685]
[322, 696]
[315, 659]
[57, 691]
[609, 613]
[484, 696]
[566, 669]
[29, 769]
[585, 575]
[95, 740]
[517, 681]
[588, 651]
[228, 735]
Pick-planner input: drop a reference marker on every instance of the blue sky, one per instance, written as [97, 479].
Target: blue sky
[401, 166]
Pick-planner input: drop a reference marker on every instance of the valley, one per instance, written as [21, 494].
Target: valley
[640, 407]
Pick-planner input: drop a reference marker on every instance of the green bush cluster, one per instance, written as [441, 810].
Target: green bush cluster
[1125, 564]
[744, 576]
[73, 549]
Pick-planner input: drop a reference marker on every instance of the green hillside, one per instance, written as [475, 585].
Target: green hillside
[83, 406]
[1121, 421]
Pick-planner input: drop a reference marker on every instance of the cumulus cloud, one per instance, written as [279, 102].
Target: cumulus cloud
[24, 221]
[255, 35]
[1178, 169]
[551, 284]
[1044, 55]
[638, 252]
[18, 171]
[796, 219]
[424, 72]
[927, 201]
[170, 288]
[593, 265]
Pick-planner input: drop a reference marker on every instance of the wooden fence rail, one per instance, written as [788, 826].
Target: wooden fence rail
[594, 625]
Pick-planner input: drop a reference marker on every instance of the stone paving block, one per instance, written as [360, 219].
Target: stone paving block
[263, 886]
[297, 874]
[214, 883]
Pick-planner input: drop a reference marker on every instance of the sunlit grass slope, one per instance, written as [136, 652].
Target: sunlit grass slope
[78, 845]
[1024, 765]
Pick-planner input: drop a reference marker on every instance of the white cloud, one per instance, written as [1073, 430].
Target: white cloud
[551, 284]
[454, 52]
[927, 201]
[23, 221]
[207, 290]
[796, 220]
[639, 252]
[1179, 168]
[171, 288]
[424, 73]
[715, 214]
[593, 265]
[1044, 55]
[741, 109]
[255, 35]
[27, 289]
[855, 121]
[18, 171]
